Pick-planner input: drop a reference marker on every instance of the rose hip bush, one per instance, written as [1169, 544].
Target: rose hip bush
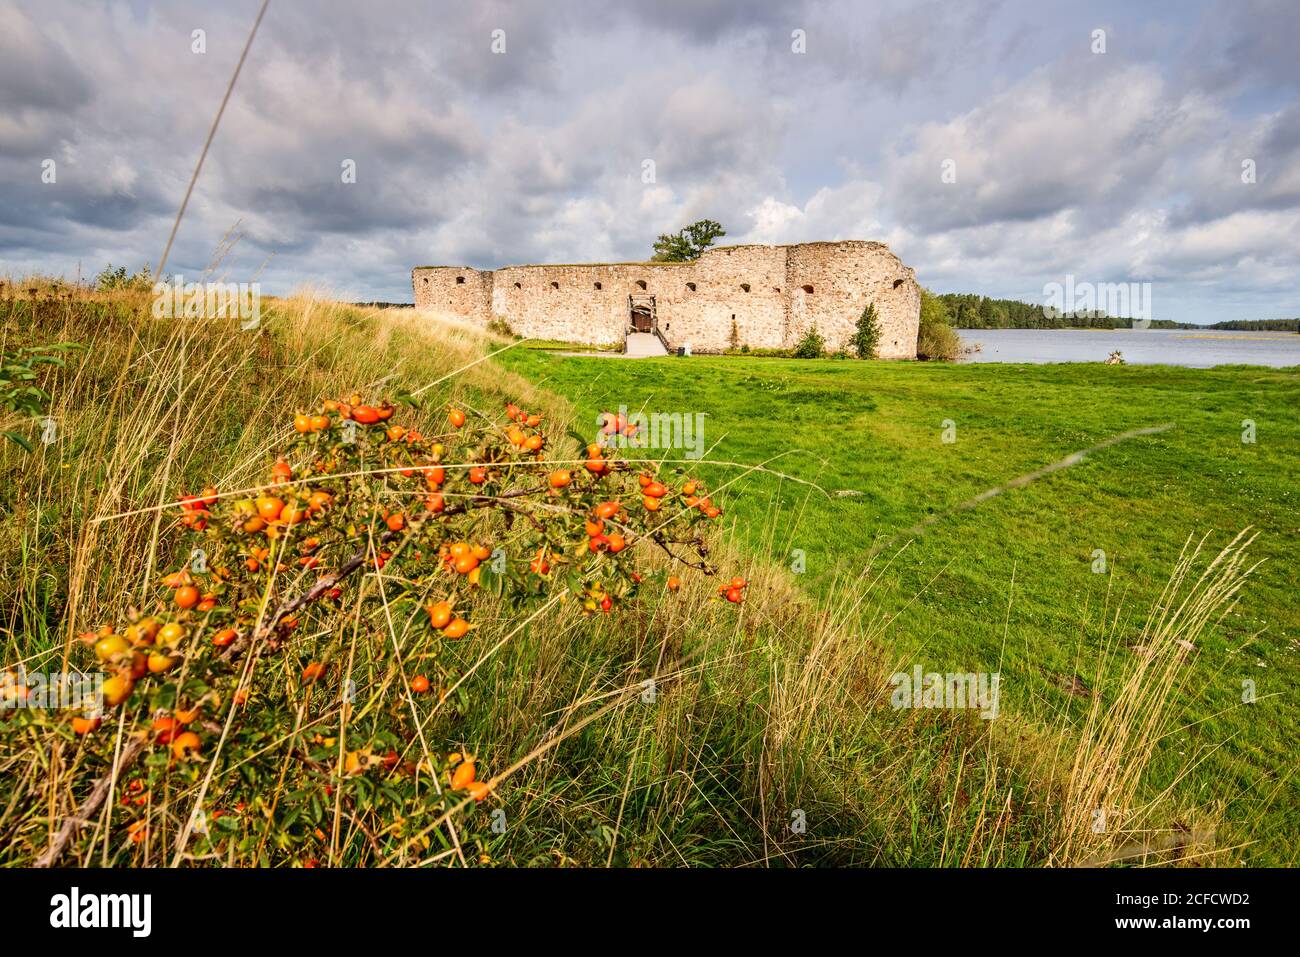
[250, 727]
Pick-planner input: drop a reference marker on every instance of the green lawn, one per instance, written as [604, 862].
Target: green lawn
[876, 429]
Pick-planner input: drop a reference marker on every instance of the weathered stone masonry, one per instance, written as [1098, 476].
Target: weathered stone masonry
[773, 294]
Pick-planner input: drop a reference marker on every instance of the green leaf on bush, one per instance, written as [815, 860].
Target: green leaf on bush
[491, 582]
[18, 440]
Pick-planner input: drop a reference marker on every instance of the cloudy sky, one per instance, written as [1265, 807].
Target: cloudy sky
[1120, 166]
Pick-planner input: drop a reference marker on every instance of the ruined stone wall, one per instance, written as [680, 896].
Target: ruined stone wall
[458, 290]
[771, 294]
[832, 283]
[578, 303]
[744, 284]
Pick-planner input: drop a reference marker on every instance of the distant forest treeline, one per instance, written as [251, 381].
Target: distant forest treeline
[971, 311]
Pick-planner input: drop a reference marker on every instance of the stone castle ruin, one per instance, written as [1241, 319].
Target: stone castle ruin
[763, 297]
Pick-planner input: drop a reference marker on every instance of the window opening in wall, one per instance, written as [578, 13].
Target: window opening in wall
[745, 286]
[426, 280]
[897, 283]
[518, 286]
[807, 289]
[640, 283]
[460, 280]
[597, 285]
[689, 285]
[555, 285]
[776, 288]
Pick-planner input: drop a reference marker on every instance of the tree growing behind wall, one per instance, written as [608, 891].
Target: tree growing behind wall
[687, 244]
[936, 339]
[111, 278]
[866, 338]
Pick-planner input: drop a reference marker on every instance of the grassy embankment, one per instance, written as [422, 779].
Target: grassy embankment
[774, 712]
[1009, 584]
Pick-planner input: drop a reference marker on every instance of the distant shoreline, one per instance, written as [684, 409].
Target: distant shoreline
[1205, 332]
[1200, 348]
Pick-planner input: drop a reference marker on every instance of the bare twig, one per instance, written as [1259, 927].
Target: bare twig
[158, 273]
[90, 806]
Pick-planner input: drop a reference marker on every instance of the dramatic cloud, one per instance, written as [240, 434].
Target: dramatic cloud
[494, 132]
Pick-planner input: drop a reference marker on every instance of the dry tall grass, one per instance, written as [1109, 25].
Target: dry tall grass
[1104, 816]
[157, 405]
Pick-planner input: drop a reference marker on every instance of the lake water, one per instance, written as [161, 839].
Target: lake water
[1179, 347]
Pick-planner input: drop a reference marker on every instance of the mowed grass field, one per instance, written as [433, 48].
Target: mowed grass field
[1010, 584]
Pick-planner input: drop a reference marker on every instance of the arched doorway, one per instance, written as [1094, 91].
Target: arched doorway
[641, 313]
